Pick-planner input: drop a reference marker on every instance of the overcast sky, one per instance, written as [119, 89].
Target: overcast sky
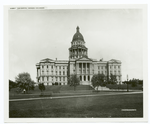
[108, 33]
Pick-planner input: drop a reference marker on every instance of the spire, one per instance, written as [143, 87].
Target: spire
[77, 28]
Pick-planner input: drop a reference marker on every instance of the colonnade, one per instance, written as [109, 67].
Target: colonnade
[84, 71]
[77, 53]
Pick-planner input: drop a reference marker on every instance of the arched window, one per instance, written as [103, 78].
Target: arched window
[80, 78]
[88, 78]
[84, 78]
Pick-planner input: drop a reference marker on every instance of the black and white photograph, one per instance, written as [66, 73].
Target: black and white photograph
[77, 62]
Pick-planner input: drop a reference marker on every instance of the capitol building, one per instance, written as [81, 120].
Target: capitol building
[57, 72]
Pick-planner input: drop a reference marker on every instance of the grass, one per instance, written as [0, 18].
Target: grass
[60, 90]
[124, 86]
[98, 107]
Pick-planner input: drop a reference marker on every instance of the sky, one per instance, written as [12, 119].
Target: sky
[108, 33]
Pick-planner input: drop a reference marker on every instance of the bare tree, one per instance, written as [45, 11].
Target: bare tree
[74, 80]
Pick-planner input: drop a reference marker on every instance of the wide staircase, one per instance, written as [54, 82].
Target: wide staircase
[68, 88]
[80, 87]
[102, 88]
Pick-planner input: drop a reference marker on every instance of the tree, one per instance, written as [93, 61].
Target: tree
[74, 80]
[24, 81]
[112, 79]
[12, 84]
[31, 87]
[41, 87]
[102, 79]
[94, 81]
[134, 82]
[98, 80]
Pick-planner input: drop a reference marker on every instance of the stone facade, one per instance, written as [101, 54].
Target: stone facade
[57, 72]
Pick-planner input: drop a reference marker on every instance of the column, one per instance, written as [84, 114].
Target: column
[85, 71]
[82, 77]
[78, 53]
[37, 76]
[82, 70]
[73, 53]
[77, 64]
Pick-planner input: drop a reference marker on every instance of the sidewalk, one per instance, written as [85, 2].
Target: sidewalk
[74, 96]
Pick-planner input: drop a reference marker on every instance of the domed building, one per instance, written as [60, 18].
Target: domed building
[57, 72]
[77, 49]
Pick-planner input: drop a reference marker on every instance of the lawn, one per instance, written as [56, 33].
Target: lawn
[98, 107]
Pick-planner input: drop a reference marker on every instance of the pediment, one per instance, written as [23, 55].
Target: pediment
[84, 59]
[114, 61]
[46, 60]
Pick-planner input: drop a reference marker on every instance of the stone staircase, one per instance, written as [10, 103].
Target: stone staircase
[102, 88]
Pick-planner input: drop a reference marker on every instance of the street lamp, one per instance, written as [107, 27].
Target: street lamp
[127, 84]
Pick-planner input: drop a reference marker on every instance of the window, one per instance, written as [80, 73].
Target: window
[63, 67]
[43, 78]
[118, 72]
[83, 65]
[84, 78]
[56, 67]
[52, 67]
[79, 65]
[42, 66]
[110, 67]
[63, 72]
[47, 66]
[52, 78]
[114, 66]
[59, 67]
[118, 66]
[115, 72]
[47, 78]
[56, 72]
[98, 72]
[52, 72]
[80, 78]
[47, 73]
[88, 78]
[102, 67]
[60, 78]
[56, 78]
[87, 65]
[60, 73]
[64, 78]
[98, 67]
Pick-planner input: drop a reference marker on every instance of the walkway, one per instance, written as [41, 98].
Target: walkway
[75, 96]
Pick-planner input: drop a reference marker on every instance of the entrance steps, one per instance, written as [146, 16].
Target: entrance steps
[102, 88]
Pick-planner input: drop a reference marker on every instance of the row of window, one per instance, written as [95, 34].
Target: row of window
[57, 79]
[84, 78]
[115, 72]
[56, 67]
[63, 73]
[115, 67]
[102, 67]
[84, 65]
[77, 43]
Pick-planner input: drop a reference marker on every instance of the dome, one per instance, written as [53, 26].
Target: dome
[77, 35]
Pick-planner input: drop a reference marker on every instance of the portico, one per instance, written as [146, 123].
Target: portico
[84, 70]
